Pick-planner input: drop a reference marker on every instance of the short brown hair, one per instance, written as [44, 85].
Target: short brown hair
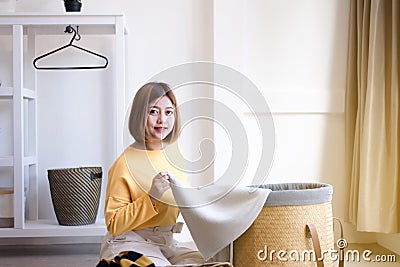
[139, 111]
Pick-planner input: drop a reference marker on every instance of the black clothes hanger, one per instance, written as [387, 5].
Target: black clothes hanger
[77, 37]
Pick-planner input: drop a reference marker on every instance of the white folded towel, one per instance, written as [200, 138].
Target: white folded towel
[217, 214]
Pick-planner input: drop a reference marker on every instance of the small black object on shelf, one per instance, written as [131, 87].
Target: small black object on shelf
[72, 5]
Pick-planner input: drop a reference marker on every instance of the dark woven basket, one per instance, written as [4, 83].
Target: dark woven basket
[75, 193]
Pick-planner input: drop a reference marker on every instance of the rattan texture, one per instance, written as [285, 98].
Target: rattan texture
[284, 228]
[75, 193]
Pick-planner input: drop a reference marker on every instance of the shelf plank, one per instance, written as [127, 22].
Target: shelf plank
[6, 91]
[6, 161]
[28, 93]
[30, 160]
[9, 161]
[45, 228]
[60, 19]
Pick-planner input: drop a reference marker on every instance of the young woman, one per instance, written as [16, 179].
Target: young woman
[139, 211]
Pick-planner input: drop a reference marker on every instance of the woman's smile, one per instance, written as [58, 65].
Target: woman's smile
[161, 129]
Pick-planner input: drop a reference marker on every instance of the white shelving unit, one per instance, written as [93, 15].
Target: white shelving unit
[24, 27]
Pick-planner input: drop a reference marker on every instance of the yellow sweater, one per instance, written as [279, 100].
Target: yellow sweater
[128, 205]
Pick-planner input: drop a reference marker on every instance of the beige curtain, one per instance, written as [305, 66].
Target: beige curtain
[372, 116]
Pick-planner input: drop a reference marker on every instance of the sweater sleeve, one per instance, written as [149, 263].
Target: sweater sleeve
[124, 212]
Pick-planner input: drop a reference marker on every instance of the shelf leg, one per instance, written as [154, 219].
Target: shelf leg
[19, 203]
[31, 80]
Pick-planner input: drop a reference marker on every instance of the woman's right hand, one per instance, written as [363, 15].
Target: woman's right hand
[159, 185]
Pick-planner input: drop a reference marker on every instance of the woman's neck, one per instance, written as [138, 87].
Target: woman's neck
[149, 145]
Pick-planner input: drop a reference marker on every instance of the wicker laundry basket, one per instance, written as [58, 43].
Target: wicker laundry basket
[75, 193]
[295, 218]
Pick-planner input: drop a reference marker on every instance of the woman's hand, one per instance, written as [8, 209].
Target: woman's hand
[159, 185]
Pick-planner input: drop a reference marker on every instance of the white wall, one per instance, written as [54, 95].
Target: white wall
[294, 51]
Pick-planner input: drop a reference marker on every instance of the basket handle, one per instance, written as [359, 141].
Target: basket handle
[95, 175]
[311, 232]
[341, 243]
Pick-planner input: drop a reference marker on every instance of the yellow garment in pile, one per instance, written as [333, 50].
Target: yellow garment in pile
[128, 205]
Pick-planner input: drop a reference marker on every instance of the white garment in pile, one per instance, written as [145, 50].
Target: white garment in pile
[216, 215]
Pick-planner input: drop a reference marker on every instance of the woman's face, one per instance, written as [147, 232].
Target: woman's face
[160, 120]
